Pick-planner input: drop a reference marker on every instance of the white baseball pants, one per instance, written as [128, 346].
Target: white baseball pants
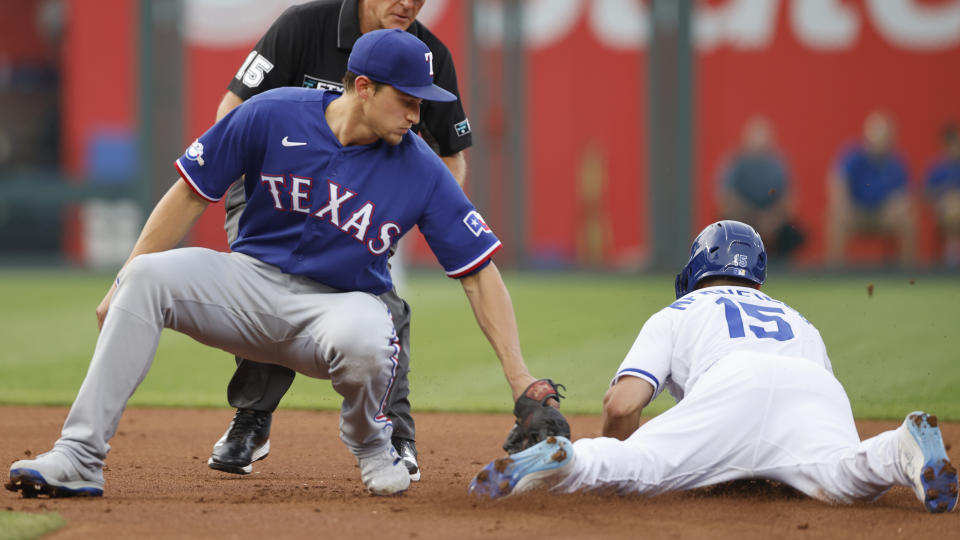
[749, 416]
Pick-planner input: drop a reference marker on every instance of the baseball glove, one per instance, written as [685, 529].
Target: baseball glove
[536, 420]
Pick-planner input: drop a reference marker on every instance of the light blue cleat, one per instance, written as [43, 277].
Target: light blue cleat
[925, 461]
[541, 466]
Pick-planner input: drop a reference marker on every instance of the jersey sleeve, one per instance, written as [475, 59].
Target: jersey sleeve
[649, 357]
[446, 122]
[270, 64]
[218, 157]
[456, 233]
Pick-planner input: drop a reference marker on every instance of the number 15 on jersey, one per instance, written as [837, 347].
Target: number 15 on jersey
[734, 312]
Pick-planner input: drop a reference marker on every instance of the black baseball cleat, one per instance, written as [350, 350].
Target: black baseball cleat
[407, 450]
[247, 440]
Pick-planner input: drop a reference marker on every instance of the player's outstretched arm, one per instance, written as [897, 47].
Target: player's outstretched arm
[493, 309]
[169, 222]
[622, 405]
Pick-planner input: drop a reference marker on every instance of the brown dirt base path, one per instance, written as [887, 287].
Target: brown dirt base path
[158, 486]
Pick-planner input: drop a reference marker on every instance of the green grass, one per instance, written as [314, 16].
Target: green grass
[21, 526]
[895, 351]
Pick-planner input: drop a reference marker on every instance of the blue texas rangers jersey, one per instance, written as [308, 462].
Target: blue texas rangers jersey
[326, 211]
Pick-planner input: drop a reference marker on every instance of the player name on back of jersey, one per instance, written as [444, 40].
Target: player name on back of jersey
[682, 303]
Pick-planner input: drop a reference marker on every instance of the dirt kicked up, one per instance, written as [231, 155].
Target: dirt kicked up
[158, 486]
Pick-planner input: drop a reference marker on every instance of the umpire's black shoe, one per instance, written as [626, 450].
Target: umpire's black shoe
[246, 440]
[407, 450]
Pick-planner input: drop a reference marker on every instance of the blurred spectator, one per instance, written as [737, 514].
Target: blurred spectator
[943, 191]
[754, 189]
[868, 193]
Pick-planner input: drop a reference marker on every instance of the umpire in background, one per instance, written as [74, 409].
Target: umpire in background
[308, 45]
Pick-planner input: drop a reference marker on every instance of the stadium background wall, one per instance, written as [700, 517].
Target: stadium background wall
[814, 71]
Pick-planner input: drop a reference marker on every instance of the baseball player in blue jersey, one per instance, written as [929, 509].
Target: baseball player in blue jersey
[756, 398]
[309, 45]
[332, 181]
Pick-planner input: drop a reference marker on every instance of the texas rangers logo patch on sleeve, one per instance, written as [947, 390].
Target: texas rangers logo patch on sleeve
[476, 224]
[195, 152]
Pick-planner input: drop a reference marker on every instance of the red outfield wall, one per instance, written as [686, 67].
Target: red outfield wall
[816, 76]
[814, 68]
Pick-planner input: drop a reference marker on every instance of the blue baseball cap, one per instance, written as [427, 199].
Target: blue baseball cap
[397, 58]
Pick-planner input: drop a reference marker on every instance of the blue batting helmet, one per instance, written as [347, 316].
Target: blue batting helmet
[725, 248]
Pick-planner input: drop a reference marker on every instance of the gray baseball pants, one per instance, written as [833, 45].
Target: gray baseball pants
[246, 307]
[261, 386]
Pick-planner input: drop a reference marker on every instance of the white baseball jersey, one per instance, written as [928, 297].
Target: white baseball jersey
[756, 399]
[682, 341]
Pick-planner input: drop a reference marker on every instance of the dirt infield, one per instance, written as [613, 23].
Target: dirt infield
[158, 486]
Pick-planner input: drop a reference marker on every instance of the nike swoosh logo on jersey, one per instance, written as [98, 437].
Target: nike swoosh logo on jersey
[292, 143]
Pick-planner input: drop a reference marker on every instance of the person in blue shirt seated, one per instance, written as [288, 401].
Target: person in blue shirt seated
[943, 192]
[754, 187]
[869, 193]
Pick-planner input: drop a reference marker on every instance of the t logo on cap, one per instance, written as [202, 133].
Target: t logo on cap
[396, 57]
